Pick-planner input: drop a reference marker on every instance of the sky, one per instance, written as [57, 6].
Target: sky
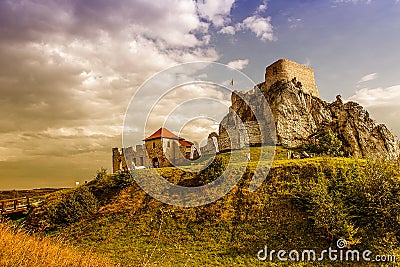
[69, 69]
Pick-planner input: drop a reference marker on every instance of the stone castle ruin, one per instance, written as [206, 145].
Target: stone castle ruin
[242, 127]
[161, 149]
[287, 70]
[285, 110]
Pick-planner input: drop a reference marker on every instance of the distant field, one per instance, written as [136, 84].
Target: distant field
[34, 193]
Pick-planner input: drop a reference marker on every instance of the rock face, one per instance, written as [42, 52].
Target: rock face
[298, 117]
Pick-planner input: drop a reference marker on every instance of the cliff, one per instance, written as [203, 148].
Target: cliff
[299, 117]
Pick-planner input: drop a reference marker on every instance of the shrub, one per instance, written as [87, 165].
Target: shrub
[75, 205]
[326, 143]
[212, 172]
[354, 202]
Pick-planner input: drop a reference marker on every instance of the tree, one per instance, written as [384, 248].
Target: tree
[326, 143]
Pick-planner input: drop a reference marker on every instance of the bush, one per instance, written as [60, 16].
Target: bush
[354, 202]
[75, 205]
[212, 172]
[114, 181]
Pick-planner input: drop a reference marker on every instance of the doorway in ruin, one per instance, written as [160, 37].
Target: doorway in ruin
[156, 164]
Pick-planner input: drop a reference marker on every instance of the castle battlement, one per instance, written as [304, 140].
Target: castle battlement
[288, 70]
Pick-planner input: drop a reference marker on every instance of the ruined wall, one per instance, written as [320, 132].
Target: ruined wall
[209, 148]
[126, 158]
[285, 69]
[160, 152]
[118, 160]
[136, 157]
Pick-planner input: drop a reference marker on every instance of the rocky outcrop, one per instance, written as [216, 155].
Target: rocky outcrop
[298, 117]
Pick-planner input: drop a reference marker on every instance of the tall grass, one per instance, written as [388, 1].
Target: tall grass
[17, 248]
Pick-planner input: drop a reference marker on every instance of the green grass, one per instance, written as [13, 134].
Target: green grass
[133, 229]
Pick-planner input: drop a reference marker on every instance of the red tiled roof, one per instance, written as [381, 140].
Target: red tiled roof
[163, 132]
[184, 142]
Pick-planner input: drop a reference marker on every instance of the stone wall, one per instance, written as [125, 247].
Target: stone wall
[160, 152]
[137, 156]
[209, 148]
[118, 160]
[285, 69]
[126, 158]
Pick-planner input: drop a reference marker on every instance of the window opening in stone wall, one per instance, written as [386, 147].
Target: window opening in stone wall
[154, 145]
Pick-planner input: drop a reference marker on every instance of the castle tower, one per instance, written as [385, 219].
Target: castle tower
[285, 69]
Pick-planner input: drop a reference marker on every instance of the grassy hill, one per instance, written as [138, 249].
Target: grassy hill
[302, 204]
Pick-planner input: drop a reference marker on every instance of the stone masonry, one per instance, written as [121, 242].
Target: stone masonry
[287, 70]
[161, 149]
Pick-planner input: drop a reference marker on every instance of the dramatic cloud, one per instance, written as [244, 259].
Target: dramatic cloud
[260, 26]
[69, 69]
[239, 64]
[368, 77]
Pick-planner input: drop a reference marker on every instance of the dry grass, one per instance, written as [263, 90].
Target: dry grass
[17, 248]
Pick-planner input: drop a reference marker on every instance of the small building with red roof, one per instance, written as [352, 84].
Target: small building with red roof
[161, 149]
[166, 149]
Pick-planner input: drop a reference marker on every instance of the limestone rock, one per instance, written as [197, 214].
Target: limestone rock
[298, 116]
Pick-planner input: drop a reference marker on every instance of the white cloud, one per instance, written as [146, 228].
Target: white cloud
[368, 77]
[228, 30]
[389, 96]
[260, 26]
[238, 64]
[173, 22]
[216, 12]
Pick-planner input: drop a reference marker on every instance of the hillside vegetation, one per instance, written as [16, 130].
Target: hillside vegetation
[302, 204]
